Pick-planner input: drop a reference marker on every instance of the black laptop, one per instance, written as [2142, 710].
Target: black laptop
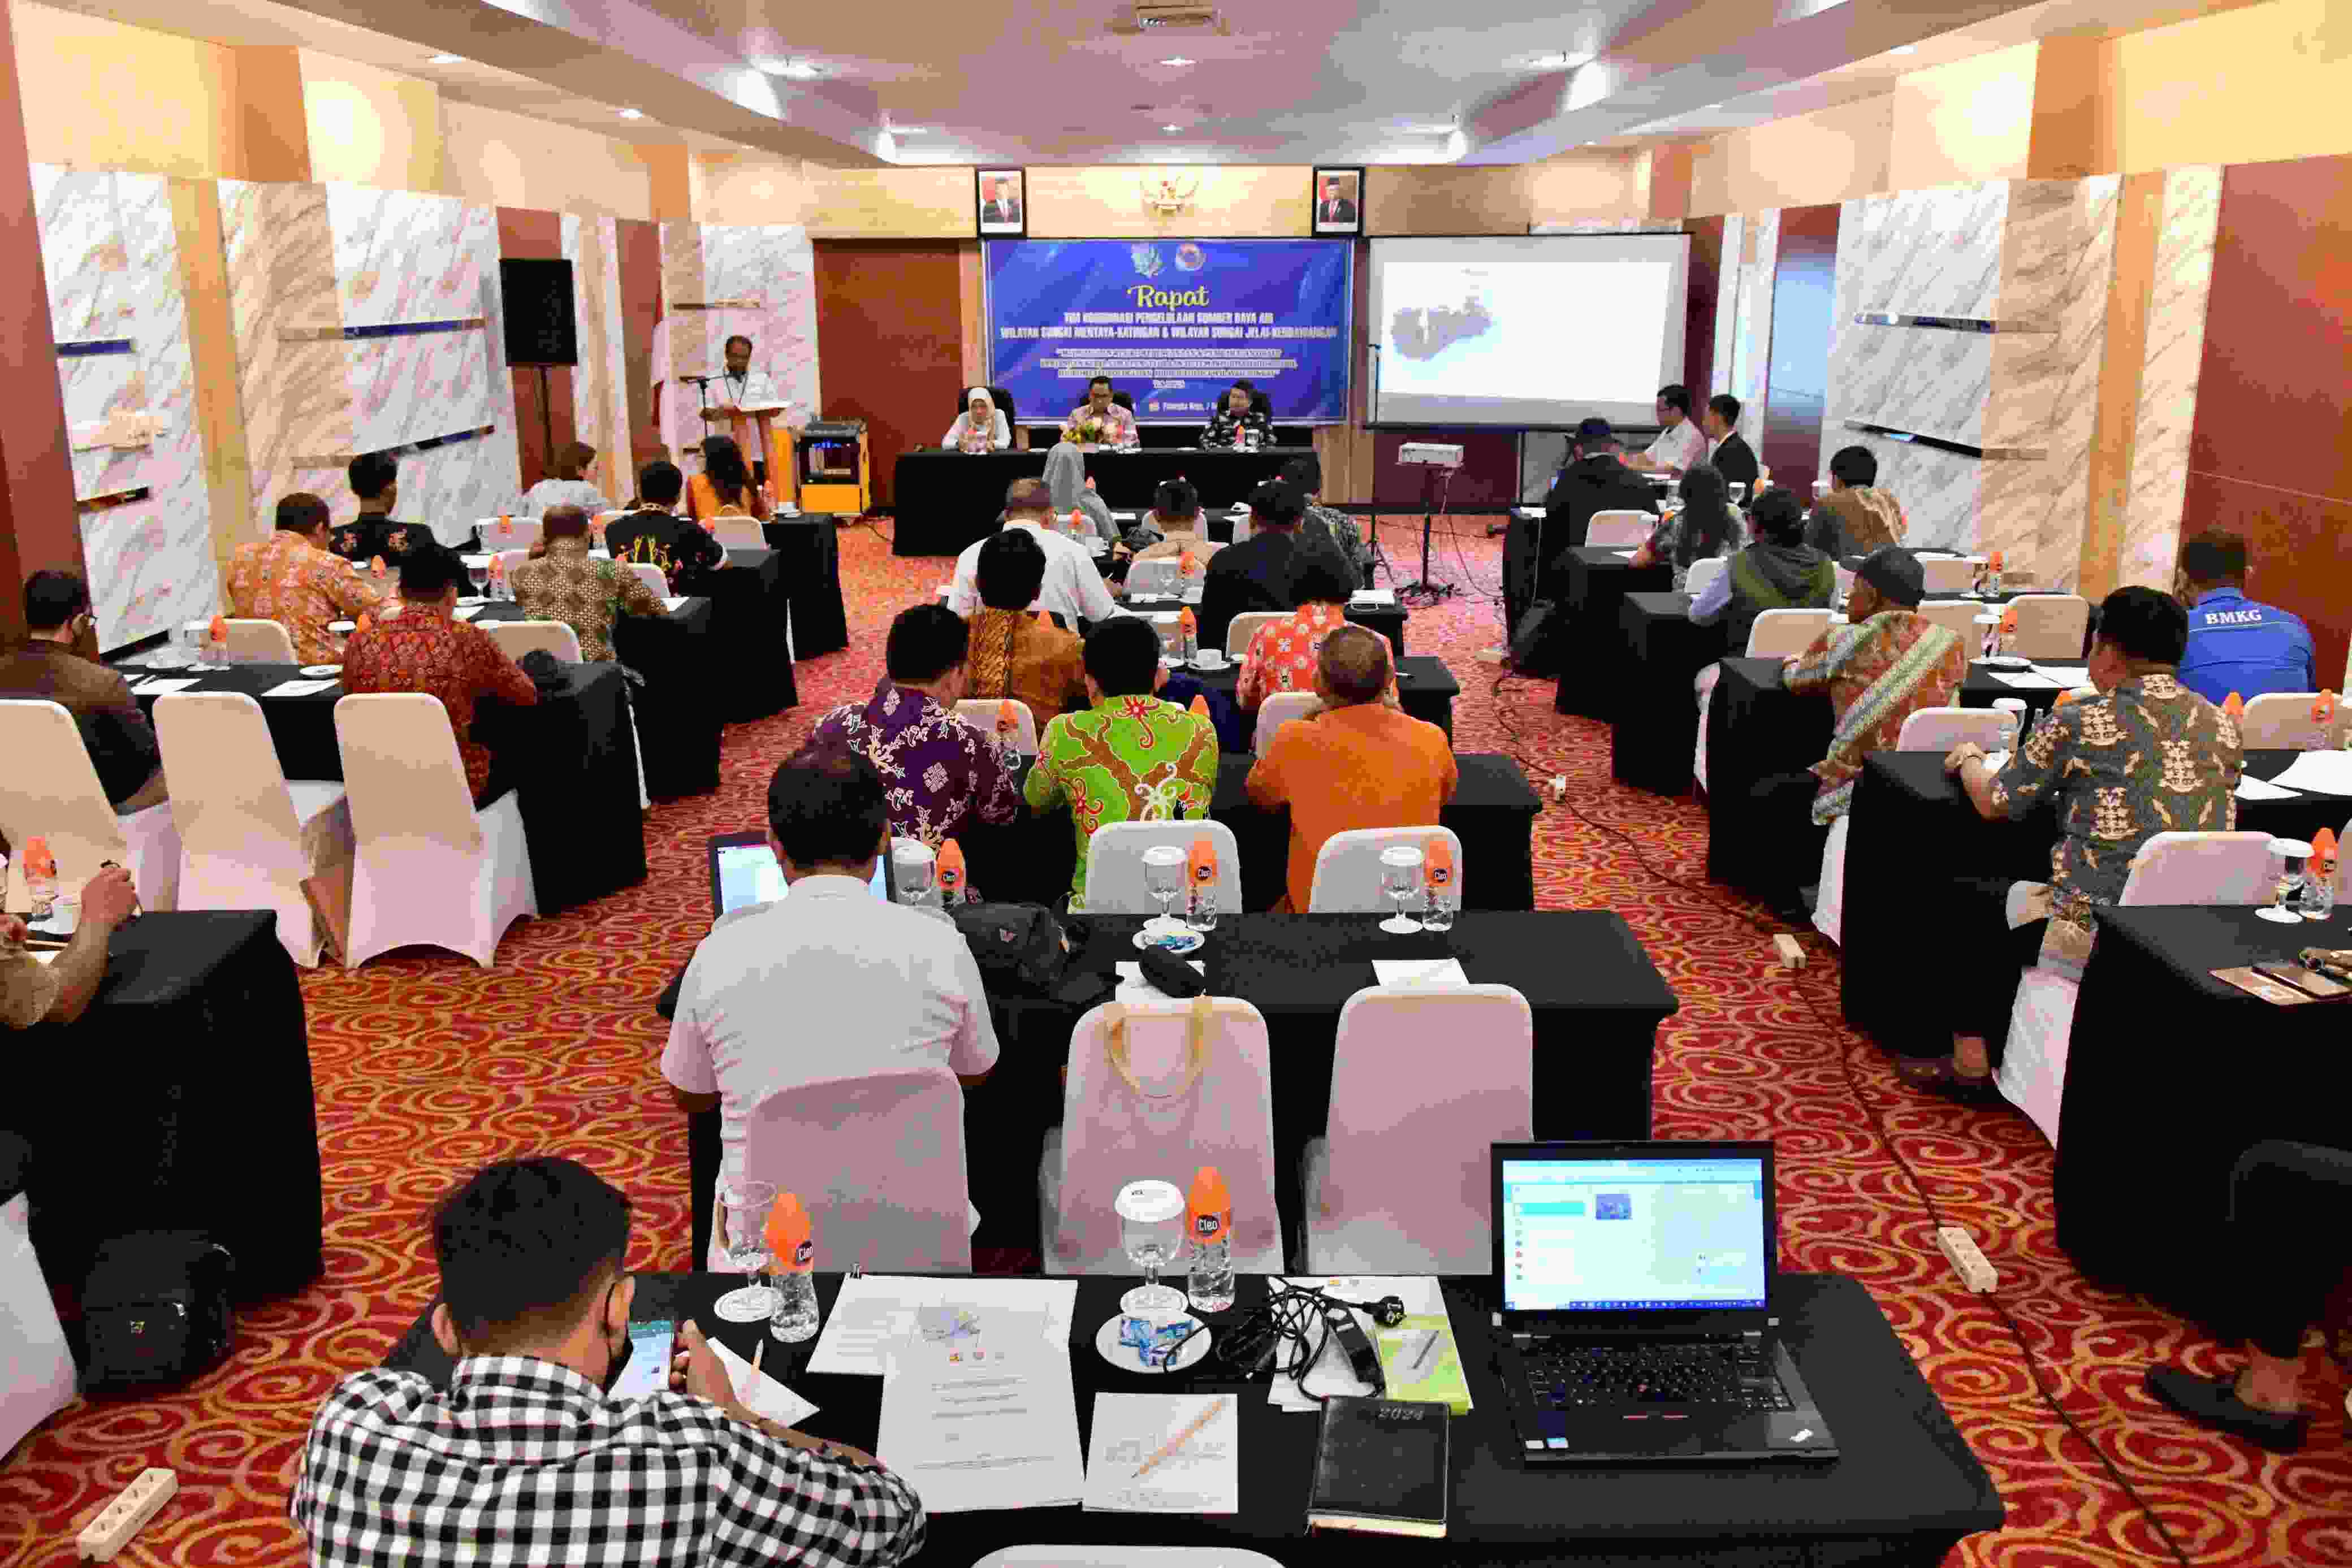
[744, 872]
[1636, 1284]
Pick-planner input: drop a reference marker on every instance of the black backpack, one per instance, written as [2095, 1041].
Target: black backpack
[1020, 947]
[156, 1313]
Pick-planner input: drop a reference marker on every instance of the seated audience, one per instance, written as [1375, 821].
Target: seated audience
[561, 581]
[1594, 479]
[293, 579]
[426, 649]
[1855, 518]
[1706, 529]
[1072, 491]
[1680, 447]
[2234, 644]
[1779, 571]
[651, 531]
[1237, 412]
[1256, 573]
[48, 664]
[33, 992]
[982, 428]
[1335, 528]
[1361, 762]
[1011, 653]
[1725, 447]
[942, 774]
[527, 1452]
[1283, 654]
[573, 484]
[1128, 758]
[1886, 664]
[1074, 587]
[1175, 518]
[375, 481]
[2145, 755]
[724, 487]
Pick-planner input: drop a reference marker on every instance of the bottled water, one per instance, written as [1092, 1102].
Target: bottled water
[2319, 897]
[795, 1317]
[1208, 1244]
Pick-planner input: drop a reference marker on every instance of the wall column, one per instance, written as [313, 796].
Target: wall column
[38, 524]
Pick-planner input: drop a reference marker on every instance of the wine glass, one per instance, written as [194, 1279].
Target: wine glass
[477, 567]
[1152, 1228]
[745, 1203]
[192, 637]
[1401, 880]
[914, 866]
[1165, 879]
[2289, 859]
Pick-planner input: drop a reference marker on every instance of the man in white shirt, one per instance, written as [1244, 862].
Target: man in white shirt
[827, 982]
[738, 385]
[1074, 587]
[1680, 442]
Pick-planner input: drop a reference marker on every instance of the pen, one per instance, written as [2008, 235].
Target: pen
[1183, 1438]
[1427, 1345]
[757, 1352]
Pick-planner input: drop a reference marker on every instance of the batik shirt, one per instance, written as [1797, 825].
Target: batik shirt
[1225, 430]
[288, 580]
[588, 595]
[1878, 673]
[940, 775]
[424, 651]
[2150, 756]
[1284, 653]
[1126, 760]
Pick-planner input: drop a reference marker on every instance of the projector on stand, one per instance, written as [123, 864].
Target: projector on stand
[1430, 454]
[1441, 458]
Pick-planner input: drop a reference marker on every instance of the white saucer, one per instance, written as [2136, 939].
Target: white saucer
[472, 599]
[1107, 1346]
[1218, 668]
[746, 1304]
[316, 671]
[1190, 941]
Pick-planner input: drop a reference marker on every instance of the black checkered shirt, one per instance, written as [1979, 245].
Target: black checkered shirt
[526, 1462]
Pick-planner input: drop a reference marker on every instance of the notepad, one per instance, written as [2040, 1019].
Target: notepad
[2252, 789]
[298, 688]
[160, 685]
[2324, 772]
[761, 1394]
[2027, 680]
[1419, 972]
[465, 611]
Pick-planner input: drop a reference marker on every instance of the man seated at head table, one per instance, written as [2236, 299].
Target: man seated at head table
[1256, 573]
[1013, 651]
[561, 581]
[293, 579]
[58, 991]
[1359, 761]
[652, 532]
[2234, 644]
[427, 649]
[1073, 588]
[1885, 665]
[942, 774]
[1283, 653]
[1118, 423]
[1779, 571]
[1129, 757]
[1679, 446]
[2145, 755]
[1855, 516]
[49, 664]
[529, 1449]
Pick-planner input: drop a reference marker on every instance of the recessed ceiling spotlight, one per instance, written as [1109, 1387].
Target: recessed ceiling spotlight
[633, 114]
[1178, 61]
[447, 61]
[1904, 49]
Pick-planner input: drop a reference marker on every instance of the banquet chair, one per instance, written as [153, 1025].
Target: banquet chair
[1348, 868]
[2171, 868]
[249, 838]
[1115, 878]
[518, 534]
[2050, 625]
[51, 788]
[988, 715]
[1703, 573]
[1281, 708]
[1101, 1556]
[1957, 616]
[1182, 1110]
[1401, 1184]
[430, 868]
[1949, 573]
[1243, 627]
[1844, 583]
[879, 1163]
[2282, 721]
[1936, 730]
[1164, 574]
[39, 1379]
[738, 532]
[1784, 633]
[652, 574]
[259, 643]
[516, 638]
[1619, 528]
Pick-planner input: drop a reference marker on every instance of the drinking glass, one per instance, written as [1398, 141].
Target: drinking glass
[1441, 906]
[1151, 1229]
[1401, 880]
[2290, 859]
[746, 1203]
[478, 568]
[193, 637]
[1738, 491]
[1164, 878]
[1204, 913]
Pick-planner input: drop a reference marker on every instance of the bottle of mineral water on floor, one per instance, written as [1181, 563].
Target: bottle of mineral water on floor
[792, 1241]
[1209, 1243]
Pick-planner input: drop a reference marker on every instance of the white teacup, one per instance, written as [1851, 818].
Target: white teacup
[1210, 659]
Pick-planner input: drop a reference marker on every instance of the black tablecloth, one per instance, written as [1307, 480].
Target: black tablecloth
[1906, 1489]
[751, 610]
[946, 500]
[1587, 635]
[1758, 729]
[810, 551]
[1656, 722]
[1913, 832]
[181, 1099]
[1388, 620]
[678, 709]
[1981, 688]
[1425, 687]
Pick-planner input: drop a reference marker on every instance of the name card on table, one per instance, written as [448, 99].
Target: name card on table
[2324, 772]
[675, 602]
[2027, 680]
[2252, 789]
[1419, 972]
[299, 688]
[465, 612]
[160, 685]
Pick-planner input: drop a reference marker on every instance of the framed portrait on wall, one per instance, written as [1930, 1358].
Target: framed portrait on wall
[1003, 201]
[1338, 198]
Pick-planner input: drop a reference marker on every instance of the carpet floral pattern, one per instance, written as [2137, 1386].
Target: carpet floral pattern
[426, 1067]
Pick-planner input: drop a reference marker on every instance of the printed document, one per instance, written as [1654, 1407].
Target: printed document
[979, 1411]
[1201, 1476]
[874, 1309]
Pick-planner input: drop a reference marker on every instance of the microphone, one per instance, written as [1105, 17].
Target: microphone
[698, 381]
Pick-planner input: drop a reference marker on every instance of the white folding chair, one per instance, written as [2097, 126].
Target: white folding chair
[2050, 625]
[1097, 1556]
[652, 574]
[1348, 868]
[516, 638]
[1009, 719]
[2286, 721]
[1402, 1184]
[1703, 573]
[1957, 616]
[430, 868]
[879, 1163]
[518, 534]
[1162, 574]
[1181, 1113]
[1783, 633]
[508, 560]
[2201, 868]
[259, 643]
[50, 787]
[1948, 574]
[1244, 626]
[1115, 879]
[248, 837]
[1281, 708]
[1619, 528]
[38, 1381]
[1936, 730]
[738, 532]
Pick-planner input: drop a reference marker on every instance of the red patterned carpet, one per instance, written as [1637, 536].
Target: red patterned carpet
[426, 1067]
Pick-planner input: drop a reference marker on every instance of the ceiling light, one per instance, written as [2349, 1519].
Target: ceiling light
[1178, 61]
[804, 70]
[1904, 49]
[633, 114]
[1171, 129]
[910, 130]
[447, 61]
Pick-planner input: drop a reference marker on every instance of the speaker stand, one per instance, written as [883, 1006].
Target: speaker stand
[546, 425]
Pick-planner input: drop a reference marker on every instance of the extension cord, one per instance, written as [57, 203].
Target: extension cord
[1960, 1250]
[1792, 955]
[104, 1536]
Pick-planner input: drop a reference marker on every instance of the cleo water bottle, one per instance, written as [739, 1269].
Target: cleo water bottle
[1209, 1216]
[1202, 870]
[792, 1242]
[950, 873]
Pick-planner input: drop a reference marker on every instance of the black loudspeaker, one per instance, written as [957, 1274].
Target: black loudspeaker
[540, 328]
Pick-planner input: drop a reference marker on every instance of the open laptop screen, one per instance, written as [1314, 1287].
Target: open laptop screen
[744, 871]
[1622, 1234]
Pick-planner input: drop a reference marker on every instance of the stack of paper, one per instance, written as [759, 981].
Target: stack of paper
[674, 601]
[465, 611]
[160, 684]
[761, 1394]
[874, 1309]
[1190, 1443]
[979, 1410]
[2027, 680]
[1373, 596]
[2322, 772]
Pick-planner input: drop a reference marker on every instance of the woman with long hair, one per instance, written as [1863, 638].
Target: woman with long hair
[724, 486]
[1705, 528]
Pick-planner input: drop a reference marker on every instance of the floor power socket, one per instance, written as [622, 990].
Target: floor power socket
[120, 1519]
[1967, 1262]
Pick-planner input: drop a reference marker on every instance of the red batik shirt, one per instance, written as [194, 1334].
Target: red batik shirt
[423, 651]
[1284, 653]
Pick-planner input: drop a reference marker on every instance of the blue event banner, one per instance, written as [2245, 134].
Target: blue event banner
[1174, 323]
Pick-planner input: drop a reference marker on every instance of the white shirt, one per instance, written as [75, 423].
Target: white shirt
[550, 493]
[1000, 434]
[826, 982]
[1679, 448]
[753, 390]
[1074, 587]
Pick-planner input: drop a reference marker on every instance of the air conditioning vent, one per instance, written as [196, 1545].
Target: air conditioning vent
[1171, 17]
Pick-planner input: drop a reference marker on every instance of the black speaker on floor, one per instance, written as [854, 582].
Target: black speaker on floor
[540, 328]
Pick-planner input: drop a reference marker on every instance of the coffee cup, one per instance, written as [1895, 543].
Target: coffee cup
[1210, 659]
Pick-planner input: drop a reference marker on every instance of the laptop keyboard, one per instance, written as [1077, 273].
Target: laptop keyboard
[1562, 1377]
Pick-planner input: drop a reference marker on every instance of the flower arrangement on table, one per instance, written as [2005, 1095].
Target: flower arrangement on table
[1091, 431]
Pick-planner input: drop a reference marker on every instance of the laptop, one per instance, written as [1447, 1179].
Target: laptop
[1637, 1283]
[744, 872]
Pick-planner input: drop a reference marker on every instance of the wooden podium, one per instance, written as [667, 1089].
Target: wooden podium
[755, 430]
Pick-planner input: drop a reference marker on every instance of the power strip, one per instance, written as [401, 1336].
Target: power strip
[104, 1536]
[1967, 1261]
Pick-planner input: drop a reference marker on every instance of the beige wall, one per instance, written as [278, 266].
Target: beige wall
[1106, 201]
[100, 95]
[371, 125]
[834, 204]
[503, 160]
[2244, 86]
[1829, 155]
[1963, 122]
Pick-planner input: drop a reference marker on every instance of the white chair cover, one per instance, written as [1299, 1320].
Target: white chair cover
[1099, 1556]
[1948, 574]
[1703, 687]
[1115, 881]
[1111, 1136]
[516, 638]
[2050, 625]
[2279, 721]
[1402, 1185]
[1942, 728]
[259, 643]
[1347, 869]
[249, 838]
[37, 1368]
[987, 716]
[429, 868]
[1829, 896]
[2201, 868]
[653, 576]
[520, 534]
[1281, 708]
[1957, 616]
[879, 1163]
[1784, 633]
[1703, 573]
[1619, 528]
[508, 560]
[1162, 574]
[1244, 626]
[1845, 583]
[740, 532]
[51, 788]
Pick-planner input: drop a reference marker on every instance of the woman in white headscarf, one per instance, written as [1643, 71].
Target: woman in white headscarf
[1065, 478]
[981, 427]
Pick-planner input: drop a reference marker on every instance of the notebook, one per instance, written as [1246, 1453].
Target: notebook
[1383, 1466]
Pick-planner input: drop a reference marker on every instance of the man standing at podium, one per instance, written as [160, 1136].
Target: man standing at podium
[741, 386]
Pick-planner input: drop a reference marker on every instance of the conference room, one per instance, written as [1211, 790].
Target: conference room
[586, 757]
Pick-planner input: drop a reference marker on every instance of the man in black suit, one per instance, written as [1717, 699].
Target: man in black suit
[1335, 207]
[1004, 203]
[375, 481]
[1727, 448]
[651, 531]
[1255, 574]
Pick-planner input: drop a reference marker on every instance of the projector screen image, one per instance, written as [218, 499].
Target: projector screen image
[1527, 331]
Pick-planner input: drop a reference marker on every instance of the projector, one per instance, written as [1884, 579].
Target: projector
[1435, 455]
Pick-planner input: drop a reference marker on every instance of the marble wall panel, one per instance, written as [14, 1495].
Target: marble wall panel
[1935, 252]
[2171, 360]
[81, 252]
[2050, 241]
[183, 582]
[1923, 380]
[1751, 355]
[464, 479]
[599, 394]
[417, 387]
[95, 385]
[404, 255]
[1854, 219]
[296, 394]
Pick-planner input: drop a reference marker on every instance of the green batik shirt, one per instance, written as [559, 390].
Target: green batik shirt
[1125, 759]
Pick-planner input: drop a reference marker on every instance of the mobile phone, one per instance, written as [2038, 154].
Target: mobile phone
[2309, 981]
[651, 1344]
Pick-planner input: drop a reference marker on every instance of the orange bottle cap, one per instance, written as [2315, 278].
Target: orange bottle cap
[2323, 846]
[1993, 559]
[1201, 860]
[788, 1233]
[1007, 721]
[1186, 564]
[2235, 706]
[376, 565]
[218, 630]
[1200, 706]
[1184, 618]
[39, 861]
[1044, 621]
[1209, 1200]
[362, 624]
[2009, 619]
[2323, 709]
